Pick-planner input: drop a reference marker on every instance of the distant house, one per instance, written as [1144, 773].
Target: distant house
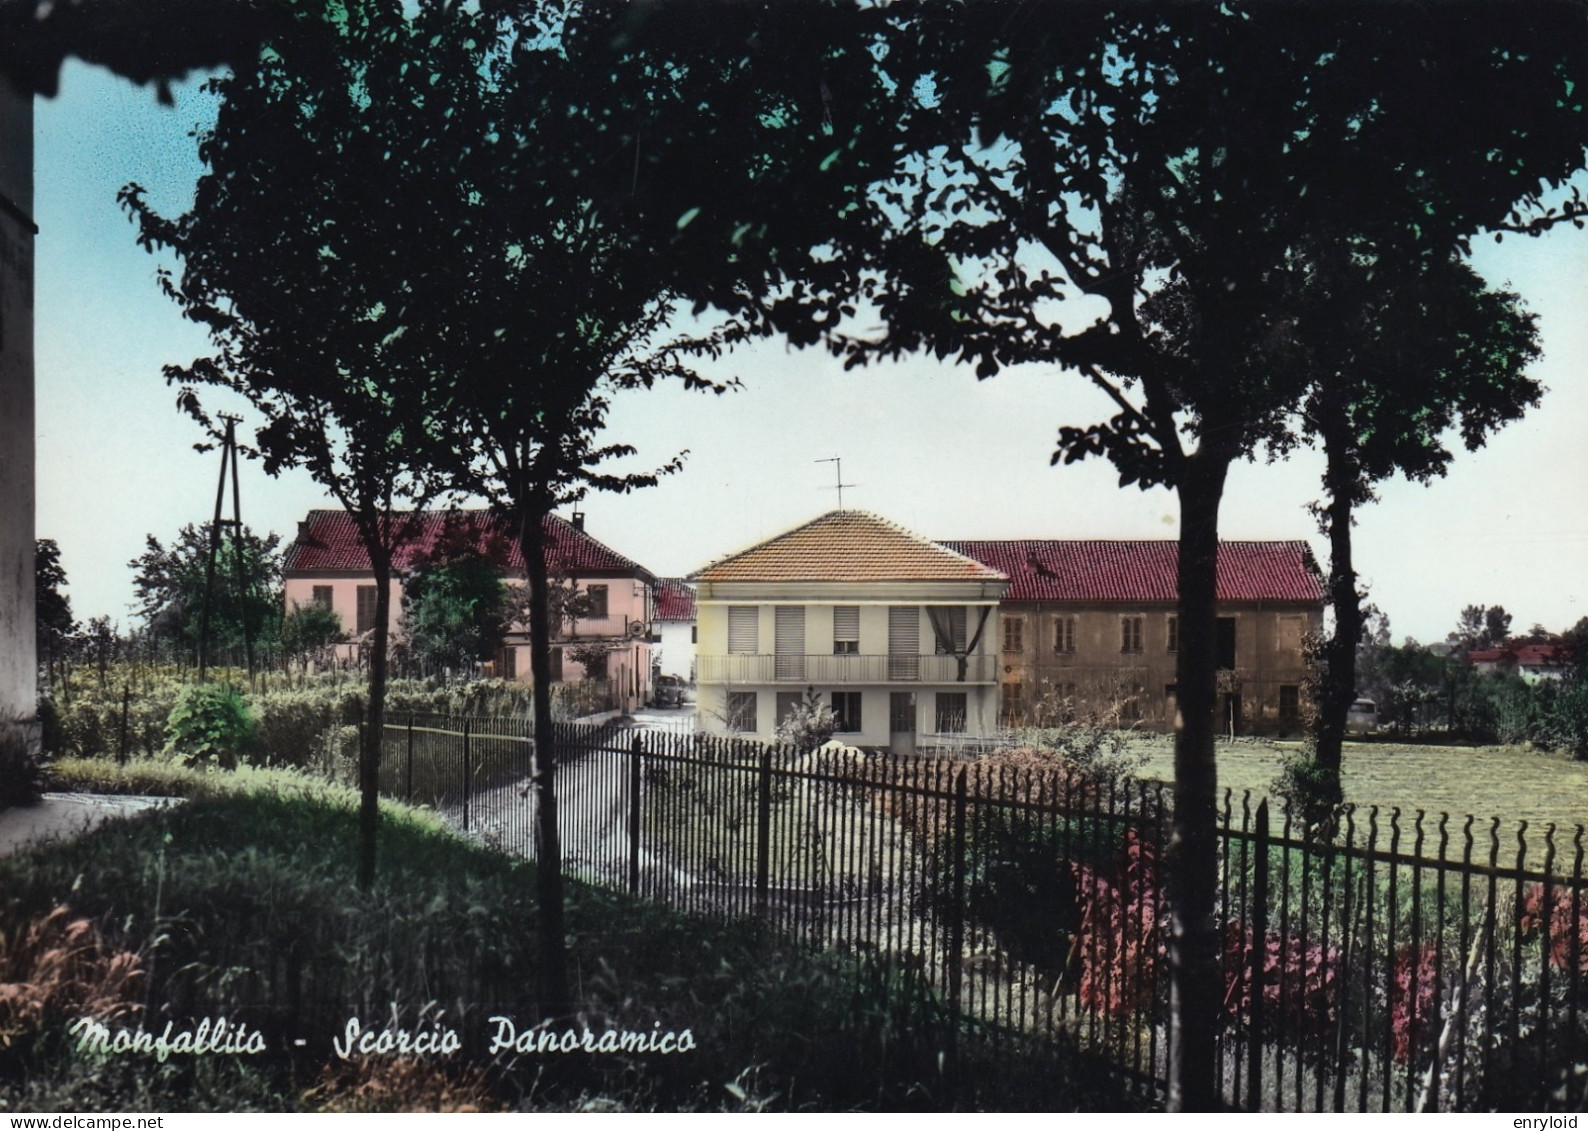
[675, 628]
[1090, 627]
[327, 565]
[897, 634]
[1534, 662]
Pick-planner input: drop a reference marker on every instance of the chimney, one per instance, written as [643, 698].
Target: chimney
[303, 530]
[578, 520]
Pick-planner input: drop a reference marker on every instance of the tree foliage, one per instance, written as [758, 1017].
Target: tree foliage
[53, 624]
[456, 606]
[169, 582]
[1129, 192]
[495, 212]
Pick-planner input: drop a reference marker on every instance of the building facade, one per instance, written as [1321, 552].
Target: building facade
[675, 632]
[1090, 629]
[610, 643]
[18, 662]
[897, 634]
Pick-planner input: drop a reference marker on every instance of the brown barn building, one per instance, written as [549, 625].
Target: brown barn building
[1090, 628]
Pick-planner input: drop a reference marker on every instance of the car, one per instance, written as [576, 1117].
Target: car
[1362, 717]
[668, 691]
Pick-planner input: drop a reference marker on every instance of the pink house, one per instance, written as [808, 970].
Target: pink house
[327, 565]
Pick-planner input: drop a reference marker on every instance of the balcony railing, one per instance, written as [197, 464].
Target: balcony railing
[846, 668]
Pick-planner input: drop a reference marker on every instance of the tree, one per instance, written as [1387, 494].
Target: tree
[455, 604]
[1403, 349]
[52, 609]
[308, 318]
[169, 585]
[495, 215]
[1479, 628]
[1125, 193]
[310, 628]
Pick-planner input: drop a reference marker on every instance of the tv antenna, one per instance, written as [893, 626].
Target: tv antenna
[228, 461]
[838, 467]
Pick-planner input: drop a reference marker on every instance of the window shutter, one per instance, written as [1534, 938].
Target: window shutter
[904, 642]
[788, 641]
[846, 622]
[742, 622]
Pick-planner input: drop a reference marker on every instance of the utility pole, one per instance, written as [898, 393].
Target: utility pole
[228, 463]
[838, 462]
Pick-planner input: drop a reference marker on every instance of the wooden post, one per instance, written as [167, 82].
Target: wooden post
[409, 792]
[126, 703]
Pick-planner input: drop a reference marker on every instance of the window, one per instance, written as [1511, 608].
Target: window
[693, 634]
[1130, 634]
[597, 597]
[846, 711]
[1226, 643]
[322, 596]
[1289, 706]
[595, 667]
[1014, 634]
[1014, 708]
[1174, 633]
[556, 664]
[1064, 634]
[948, 630]
[507, 664]
[741, 711]
[846, 630]
[951, 712]
[743, 621]
[901, 712]
[366, 609]
[787, 703]
[1130, 703]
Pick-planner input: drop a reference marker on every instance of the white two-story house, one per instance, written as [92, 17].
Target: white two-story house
[898, 634]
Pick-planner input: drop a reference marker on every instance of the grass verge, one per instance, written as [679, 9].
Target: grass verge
[242, 904]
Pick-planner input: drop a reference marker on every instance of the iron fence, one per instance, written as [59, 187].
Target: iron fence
[1389, 962]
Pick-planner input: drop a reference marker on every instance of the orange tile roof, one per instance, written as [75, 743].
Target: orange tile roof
[847, 546]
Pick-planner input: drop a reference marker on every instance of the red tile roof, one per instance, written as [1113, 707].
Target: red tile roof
[847, 546]
[1095, 571]
[328, 540]
[675, 599]
[1523, 655]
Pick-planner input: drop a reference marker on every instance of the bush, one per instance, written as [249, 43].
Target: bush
[21, 773]
[810, 724]
[1311, 791]
[210, 726]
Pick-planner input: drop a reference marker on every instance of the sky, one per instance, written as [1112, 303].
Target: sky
[924, 444]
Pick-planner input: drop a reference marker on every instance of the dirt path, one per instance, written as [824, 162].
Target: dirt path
[61, 816]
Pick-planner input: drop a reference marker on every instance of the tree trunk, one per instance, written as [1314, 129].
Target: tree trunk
[369, 754]
[1196, 989]
[553, 972]
[1337, 688]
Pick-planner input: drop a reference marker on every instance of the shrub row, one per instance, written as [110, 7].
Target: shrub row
[285, 727]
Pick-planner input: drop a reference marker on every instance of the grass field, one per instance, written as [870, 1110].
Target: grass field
[1512, 783]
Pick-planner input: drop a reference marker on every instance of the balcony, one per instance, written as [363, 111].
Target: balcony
[843, 669]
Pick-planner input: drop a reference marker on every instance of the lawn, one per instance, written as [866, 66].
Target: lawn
[1512, 783]
[241, 904]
